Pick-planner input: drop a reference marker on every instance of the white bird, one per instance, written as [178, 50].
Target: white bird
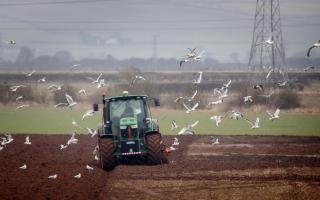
[274, 115]
[89, 167]
[191, 55]
[215, 140]
[1, 147]
[216, 102]
[308, 68]
[136, 78]
[74, 123]
[61, 105]
[188, 130]
[193, 96]
[63, 146]
[95, 80]
[235, 115]
[282, 84]
[227, 85]
[269, 41]
[55, 87]
[173, 125]
[269, 73]
[189, 110]
[23, 167]
[27, 141]
[82, 91]
[198, 79]
[70, 101]
[30, 73]
[178, 99]
[247, 99]
[224, 94]
[317, 44]
[255, 124]
[96, 157]
[72, 140]
[9, 139]
[217, 119]
[74, 67]
[92, 132]
[172, 148]
[19, 98]
[16, 87]
[53, 176]
[101, 84]
[175, 141]
[258, 87]
[266, 95]
[95, 150]
[42, 80]
[89, 113]
[22, 106]
[77, 176]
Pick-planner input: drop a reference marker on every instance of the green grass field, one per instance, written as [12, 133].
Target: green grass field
[42, 120]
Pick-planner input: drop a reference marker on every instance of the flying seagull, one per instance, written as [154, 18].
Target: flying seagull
[269, 41]
[189, 110]
[193, 96]
[55, 87]
[19, 98]
[191, 55]
[317, 44]
[266, 95]
[11, 42]
[308, 68]
[215, 102]
[70, 101]
[92, 132]
[72, 140]
[216, 119]
[95, 80]
[42, 80]
[89, 113]
[188, 129]
[258, 87]
[274, 115]
[269, 73]
[173, 125]
[247, 99]
[255, 124]
[136, 78]
[22, 106]
[198, 79]
[227, 85]
[101, 84]
[235, 114]
[63, 146]
[16, 87]
[282, 84]
[82, 91]
[30, 73]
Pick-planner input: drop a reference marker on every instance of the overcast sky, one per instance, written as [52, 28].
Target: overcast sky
[127, 28]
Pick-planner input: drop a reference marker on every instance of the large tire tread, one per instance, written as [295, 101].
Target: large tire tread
[155, 150]
[107, 150]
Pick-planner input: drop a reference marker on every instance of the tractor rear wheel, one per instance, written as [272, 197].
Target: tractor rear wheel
[155, 149]
[107, 150]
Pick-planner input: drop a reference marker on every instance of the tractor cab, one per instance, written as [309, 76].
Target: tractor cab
[127, 122]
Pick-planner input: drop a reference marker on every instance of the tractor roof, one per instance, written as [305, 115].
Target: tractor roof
[126, 97]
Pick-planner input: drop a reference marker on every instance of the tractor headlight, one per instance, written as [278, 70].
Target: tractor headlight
[123, 127]
[134, 126]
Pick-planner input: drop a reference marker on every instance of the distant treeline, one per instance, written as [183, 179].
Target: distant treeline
[26, 59]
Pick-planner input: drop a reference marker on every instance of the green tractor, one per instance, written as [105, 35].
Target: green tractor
[128, 131]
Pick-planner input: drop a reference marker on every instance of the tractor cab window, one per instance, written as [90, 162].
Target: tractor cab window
[128, 108]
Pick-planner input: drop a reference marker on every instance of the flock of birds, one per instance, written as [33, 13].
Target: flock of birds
[188, 102]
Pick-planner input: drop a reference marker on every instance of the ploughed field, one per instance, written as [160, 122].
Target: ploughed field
[247, 167]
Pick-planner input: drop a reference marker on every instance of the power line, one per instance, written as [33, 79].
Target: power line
[50, 3]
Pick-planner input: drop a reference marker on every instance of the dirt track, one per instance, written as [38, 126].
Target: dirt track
[247, 167]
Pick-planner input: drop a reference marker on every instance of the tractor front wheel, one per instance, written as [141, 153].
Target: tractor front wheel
[107, 150]
[155, 149]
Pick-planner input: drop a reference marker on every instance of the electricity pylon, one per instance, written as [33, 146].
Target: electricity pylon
[267, 50]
